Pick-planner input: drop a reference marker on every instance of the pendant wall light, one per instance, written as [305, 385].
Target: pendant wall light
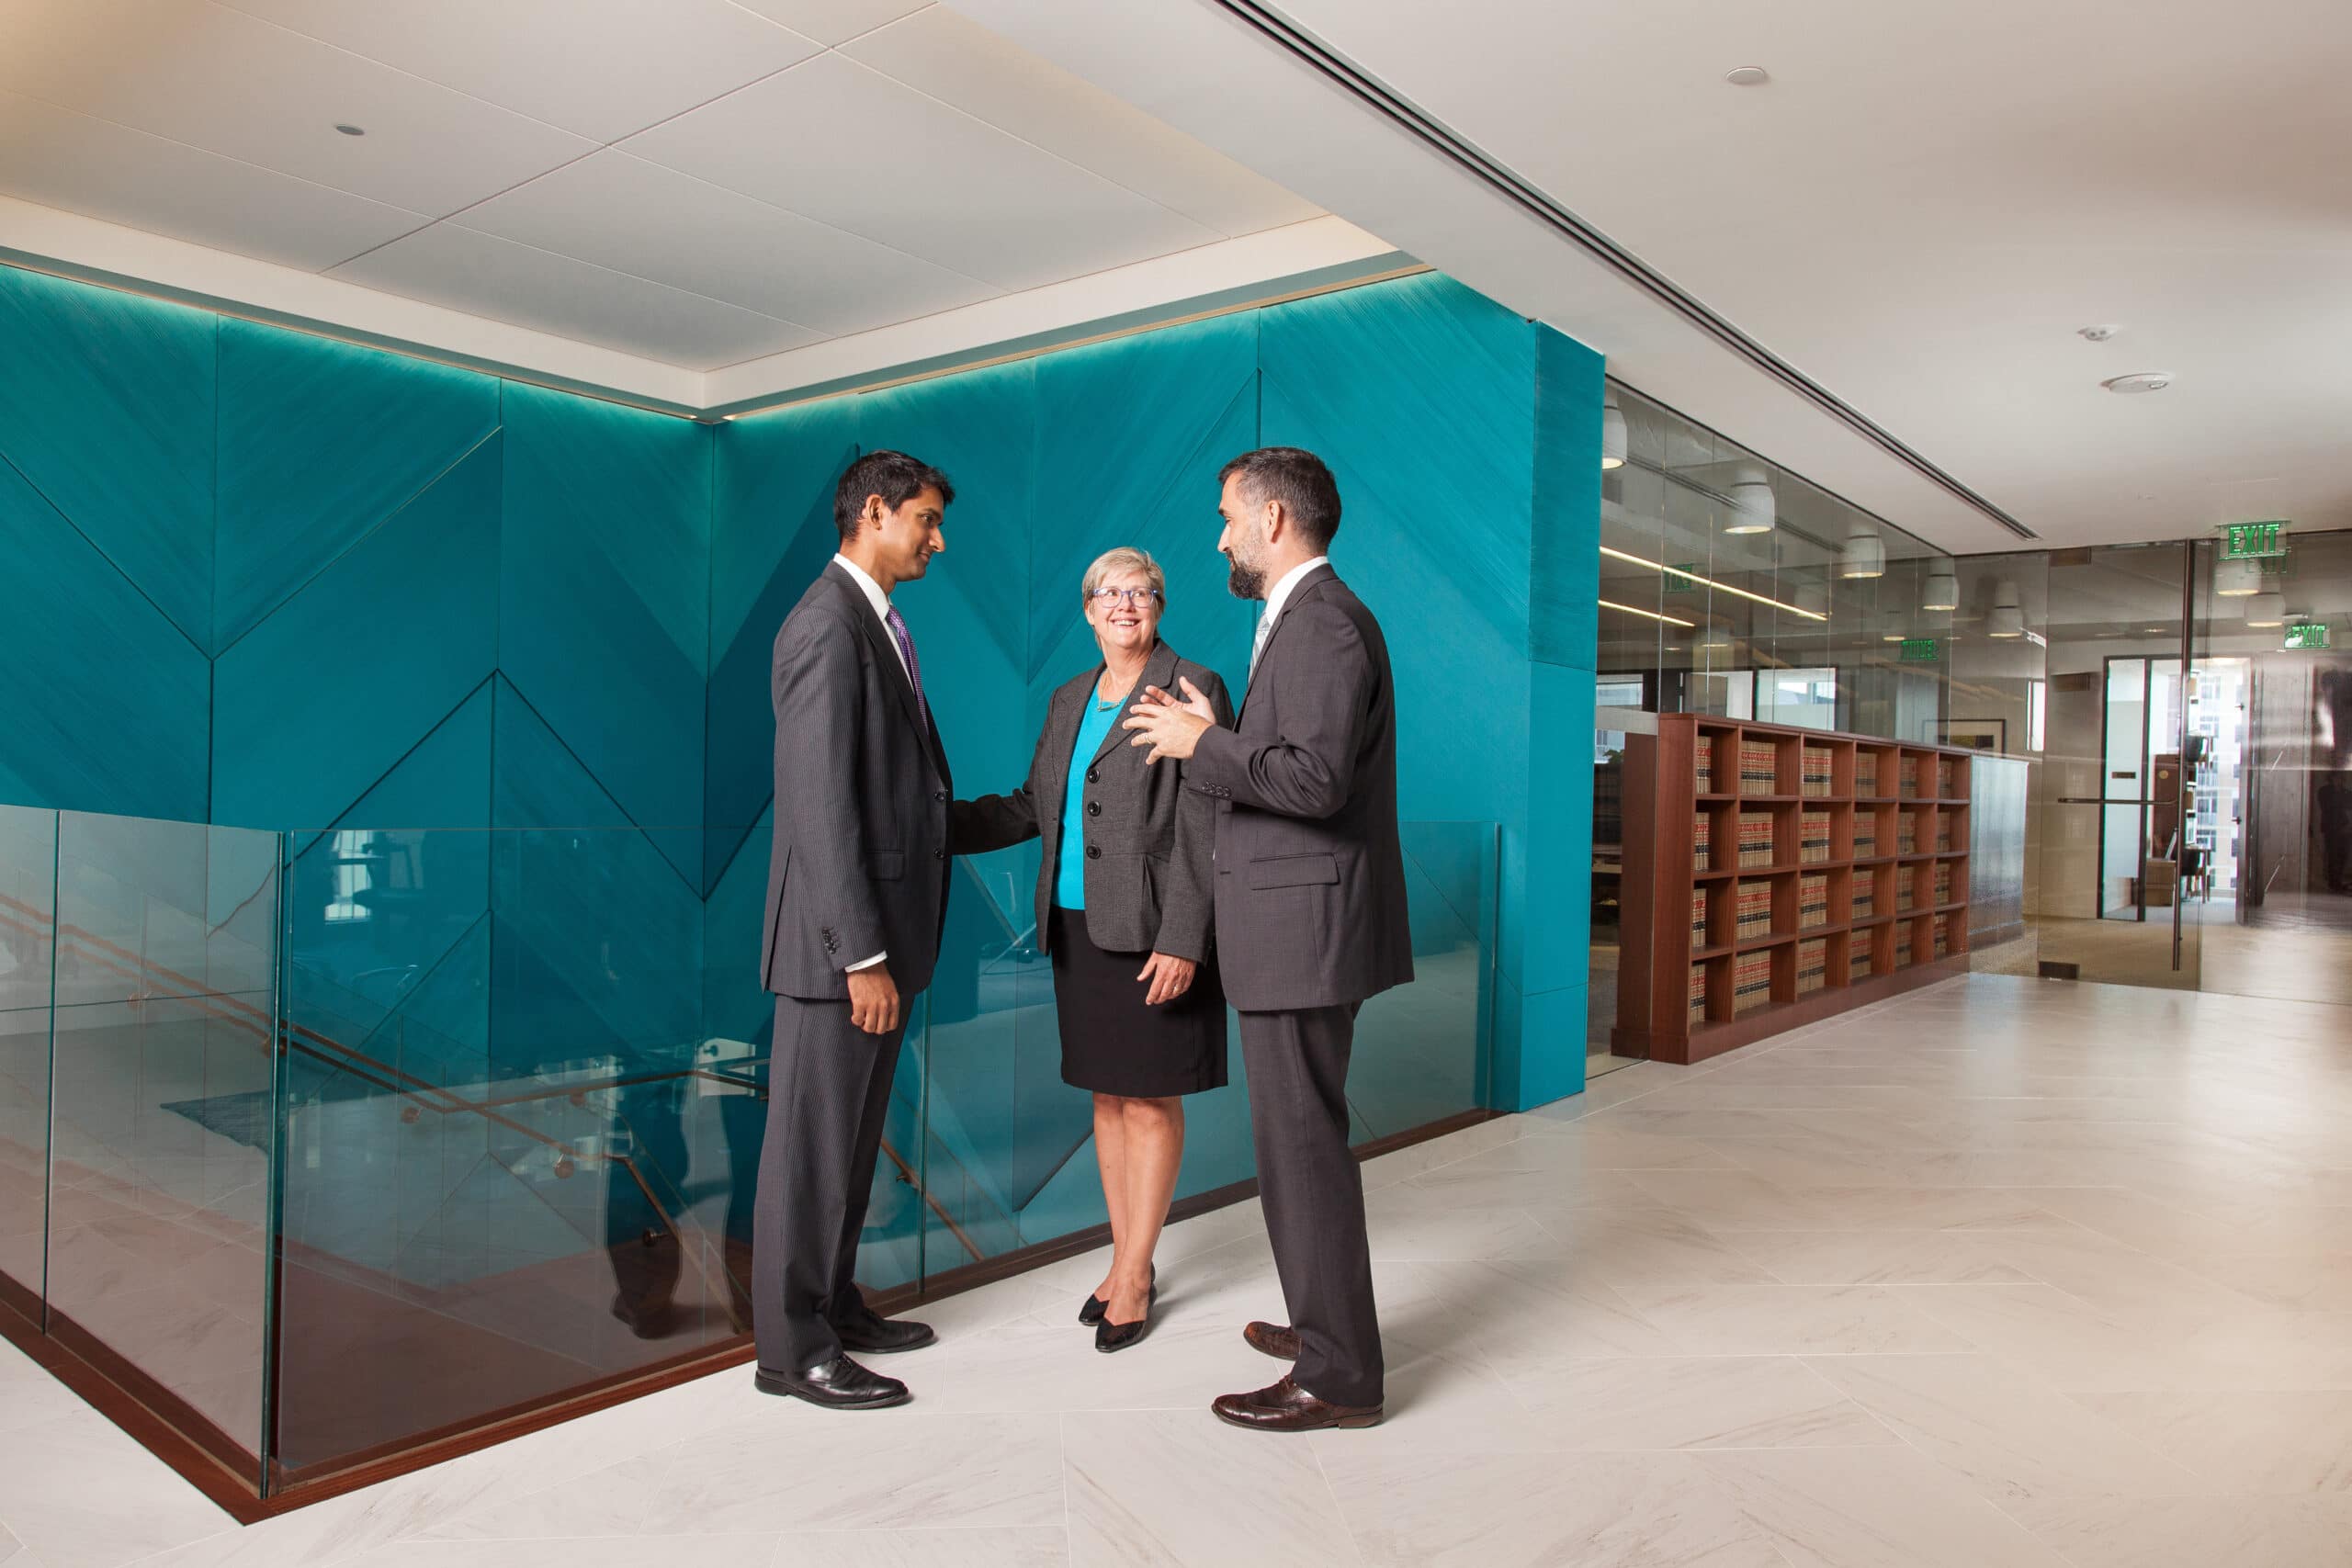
[1865, 555]
[1612, 432]
[1753, 509]
[2237, 579]
[2008, 619]
[1942, 590]
[2266, 609]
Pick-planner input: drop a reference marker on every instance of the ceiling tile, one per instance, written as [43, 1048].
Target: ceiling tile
[599, 68]
[632, 216]
[961, 62]
[234, 84]
[485, 275]
[850, 147]
[101, 170]
[833, 21]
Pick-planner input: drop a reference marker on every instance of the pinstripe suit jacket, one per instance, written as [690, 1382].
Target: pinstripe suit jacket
[859, 864]
[1147, 838]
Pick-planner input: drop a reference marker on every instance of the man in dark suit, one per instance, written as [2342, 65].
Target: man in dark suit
[857, 900]
[1310, 913]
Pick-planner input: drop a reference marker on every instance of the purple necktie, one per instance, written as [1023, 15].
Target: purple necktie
[914, 666]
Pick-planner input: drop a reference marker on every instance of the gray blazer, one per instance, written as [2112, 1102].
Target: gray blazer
[1310, 878]
[860, 863]
[1147, 837]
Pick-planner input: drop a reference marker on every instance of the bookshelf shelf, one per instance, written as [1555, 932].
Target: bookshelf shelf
[1691, 986]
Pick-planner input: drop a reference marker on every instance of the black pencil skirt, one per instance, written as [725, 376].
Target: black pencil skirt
[1112, 1043]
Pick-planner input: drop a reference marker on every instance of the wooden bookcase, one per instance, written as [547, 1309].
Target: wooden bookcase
[1857, 889]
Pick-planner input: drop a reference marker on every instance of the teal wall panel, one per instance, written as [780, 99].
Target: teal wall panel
[108, 702]
[320, 442]
[106, 410]
[1563, 573]
[317, 702]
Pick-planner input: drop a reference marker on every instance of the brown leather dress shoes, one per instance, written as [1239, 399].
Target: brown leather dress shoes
[1287, 1407]
[1273, 1340]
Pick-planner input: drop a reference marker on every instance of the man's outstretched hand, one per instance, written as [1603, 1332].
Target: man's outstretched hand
[1171, 727]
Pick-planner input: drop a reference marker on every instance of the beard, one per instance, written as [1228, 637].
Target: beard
[1245, 579]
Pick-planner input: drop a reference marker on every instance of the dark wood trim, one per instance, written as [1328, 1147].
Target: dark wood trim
[130, 1399]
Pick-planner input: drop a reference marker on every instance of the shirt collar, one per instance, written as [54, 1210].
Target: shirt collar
[873, 589]
[1280, 595]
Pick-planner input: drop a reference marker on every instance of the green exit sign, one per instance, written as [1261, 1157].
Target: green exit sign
[2255, 541]
[2307, 634]
[1921, 651]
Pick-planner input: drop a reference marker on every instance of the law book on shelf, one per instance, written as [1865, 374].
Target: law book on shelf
[1943, 834]
[1813, 965]
[1751, 985]
[1701, 829]
[1905, 892]
[1698, 916]
[1698, 994]
[1703, 767]
[1910, 776]
[1812, 838]
[1865, 774]
[1903, 945]
[1754, 838]
[1865, 896]
[1952, 774]
[1754, 909]
[1858, 959]
[1943, 884]
[1865, 835]
[1943, 941]
[1818, 771]
[1813, 900]
[1907, 833]
[1760, 768]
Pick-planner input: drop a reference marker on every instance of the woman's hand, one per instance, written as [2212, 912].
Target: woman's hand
[1171, 977]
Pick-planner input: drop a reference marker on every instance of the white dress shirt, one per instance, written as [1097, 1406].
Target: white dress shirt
[881, 602]
[1276, 598]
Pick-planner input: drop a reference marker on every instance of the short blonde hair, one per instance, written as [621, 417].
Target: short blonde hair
[1126, 558]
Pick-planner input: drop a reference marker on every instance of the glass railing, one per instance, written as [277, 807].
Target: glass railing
[327, 1145]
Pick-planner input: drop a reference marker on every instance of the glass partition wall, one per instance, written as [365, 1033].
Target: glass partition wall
[329, 1146]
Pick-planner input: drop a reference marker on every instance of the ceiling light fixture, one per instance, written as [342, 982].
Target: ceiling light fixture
[2008, 619]
[351, 131]
[2099, 334]
[2141, 381]
[2237, 579]
[1747, 75]
[1612, 432]
[1709, 583]
[1942, 590]
[1651, 614]
[1753, 509]
[1865, 554]
[2266, 609]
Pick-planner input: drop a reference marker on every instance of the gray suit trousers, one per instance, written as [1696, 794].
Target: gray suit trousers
[829, 1091]
[1313, 1192]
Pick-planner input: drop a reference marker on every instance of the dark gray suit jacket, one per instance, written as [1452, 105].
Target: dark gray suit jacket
[1310, 878]
[1147, 837]
[860, 860]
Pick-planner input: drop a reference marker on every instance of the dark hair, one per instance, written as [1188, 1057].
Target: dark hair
[1297, 479]
[895, 477]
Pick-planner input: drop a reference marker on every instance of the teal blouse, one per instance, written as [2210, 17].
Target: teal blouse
[1069, 879]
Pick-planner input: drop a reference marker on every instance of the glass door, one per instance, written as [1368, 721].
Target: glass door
[2119, 829]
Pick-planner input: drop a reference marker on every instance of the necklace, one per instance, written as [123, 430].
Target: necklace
[1100, 705]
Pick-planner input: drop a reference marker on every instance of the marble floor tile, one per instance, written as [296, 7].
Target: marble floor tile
[1789, 1320]
[85, 1496]
[1181, 1488]
[2244, 1443]
[1680, 1402]
[1878, 1257]
[2191, 1532]
[1032, 1548]
[703, 1551]
[1876, 1507]
[1508, 1510]
[1622, 1245]
[2008, 1433]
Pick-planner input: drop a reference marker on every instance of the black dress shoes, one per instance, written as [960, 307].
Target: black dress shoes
[1272, 1339]
[1096, 1307]
[837, 1384]
[1287, 1407]
[1109, 1336]
[876, 1336]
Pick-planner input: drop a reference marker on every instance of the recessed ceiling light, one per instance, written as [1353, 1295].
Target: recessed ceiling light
[351, 131]
[1747, 76]
[2142, 382]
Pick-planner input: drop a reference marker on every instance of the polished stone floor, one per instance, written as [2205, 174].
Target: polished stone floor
[2004, 1274]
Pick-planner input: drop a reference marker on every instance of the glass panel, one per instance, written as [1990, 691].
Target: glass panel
[162, 1103]
[27, 937]
[1008, 1148]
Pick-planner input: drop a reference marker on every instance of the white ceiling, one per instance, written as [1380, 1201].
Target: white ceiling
[1917, 212]
[694, 182]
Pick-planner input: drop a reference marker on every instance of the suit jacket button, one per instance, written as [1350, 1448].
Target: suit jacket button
[1094, 808]
[1094, 775]
[939, 795]
[1093, 852]
[939, 854]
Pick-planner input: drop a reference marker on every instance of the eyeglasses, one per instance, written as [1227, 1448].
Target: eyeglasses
[1111, 598]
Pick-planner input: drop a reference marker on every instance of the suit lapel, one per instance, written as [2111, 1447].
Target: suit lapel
[1061, 731]
[894, 672]
[1300, 592]
[1158, 671]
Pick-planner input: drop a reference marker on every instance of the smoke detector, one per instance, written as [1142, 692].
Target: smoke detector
[1747, 75]
[2144, 381]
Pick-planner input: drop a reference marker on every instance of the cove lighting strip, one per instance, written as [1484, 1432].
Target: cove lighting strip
[1633, 609]
[1719, 587]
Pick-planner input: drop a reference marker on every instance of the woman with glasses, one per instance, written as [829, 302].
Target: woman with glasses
[1123, 909]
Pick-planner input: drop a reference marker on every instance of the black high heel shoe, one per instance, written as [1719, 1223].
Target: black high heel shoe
[1110, 1337]
[1093, 1311]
